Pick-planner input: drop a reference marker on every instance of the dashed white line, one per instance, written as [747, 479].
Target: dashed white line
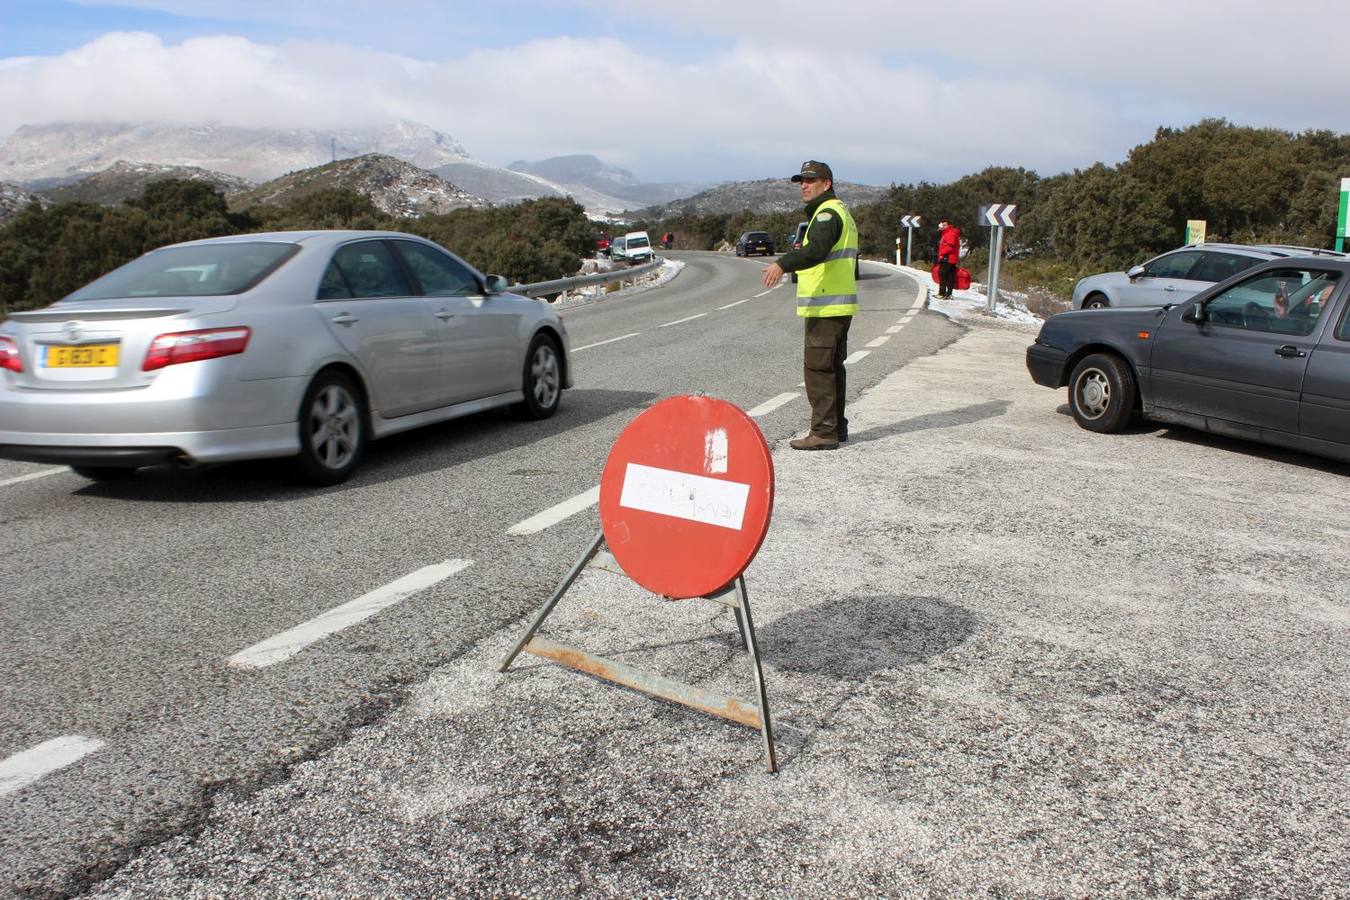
[31, 475]
[737, 303]
[855, 356]
[682, 321]
[281, 647]
[555, 514]
[29, 765]
[894, 328]
[603, 343]
[878, 341]
[769, 406]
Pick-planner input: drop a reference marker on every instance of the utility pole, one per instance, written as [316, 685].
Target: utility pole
[332, 143]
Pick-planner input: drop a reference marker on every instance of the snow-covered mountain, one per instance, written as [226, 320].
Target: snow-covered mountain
[59, 151]
[395, 187]
[44, 157]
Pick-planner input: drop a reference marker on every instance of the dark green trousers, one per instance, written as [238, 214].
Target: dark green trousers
[823, 355]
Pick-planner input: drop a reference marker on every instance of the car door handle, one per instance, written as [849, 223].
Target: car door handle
[444, 315]
[345, 319]
[1170, 287]
[1289, 351]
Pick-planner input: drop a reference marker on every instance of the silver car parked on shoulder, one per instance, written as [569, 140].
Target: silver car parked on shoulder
[1178, 274]
[302, 344]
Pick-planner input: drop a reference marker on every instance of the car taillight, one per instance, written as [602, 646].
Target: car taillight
[190, 346]
[9, 355]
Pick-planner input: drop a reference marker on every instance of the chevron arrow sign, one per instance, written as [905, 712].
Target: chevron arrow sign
[1004, 214]
[910, 221]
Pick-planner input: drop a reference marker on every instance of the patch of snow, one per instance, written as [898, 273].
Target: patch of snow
[973, 303]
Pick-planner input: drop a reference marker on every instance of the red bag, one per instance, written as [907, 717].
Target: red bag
[963, 279]
[936, 280]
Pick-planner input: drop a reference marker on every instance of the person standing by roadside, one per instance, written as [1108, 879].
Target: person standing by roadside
[949, 256]
[827, 298]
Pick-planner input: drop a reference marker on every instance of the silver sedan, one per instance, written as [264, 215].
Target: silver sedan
[302, 344]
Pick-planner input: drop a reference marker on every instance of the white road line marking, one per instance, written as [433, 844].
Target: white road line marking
[770, 405]
[877, 342]
[603, 343]
[855, 356]
[29, 765]
[920, 298]
[555, 514]
[681, 495]
[769, 291]
[894, 328]
[31, 475]
[737, 303]
[682, 321]
[281, 647]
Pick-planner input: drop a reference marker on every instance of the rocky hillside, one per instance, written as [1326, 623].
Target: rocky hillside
[13, 199]
[123, 180]
[396, 187]
[769, 195]
[61, 150]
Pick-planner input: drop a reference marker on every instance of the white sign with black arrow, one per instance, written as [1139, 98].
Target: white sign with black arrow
[997, 216]
[909, 223]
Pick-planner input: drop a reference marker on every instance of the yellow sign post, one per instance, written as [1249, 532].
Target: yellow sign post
[1195, 231]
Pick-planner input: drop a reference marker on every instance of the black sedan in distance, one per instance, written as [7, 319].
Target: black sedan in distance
[754, 242]
[1263, 356]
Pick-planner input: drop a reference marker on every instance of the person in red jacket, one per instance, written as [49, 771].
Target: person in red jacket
[949, 256]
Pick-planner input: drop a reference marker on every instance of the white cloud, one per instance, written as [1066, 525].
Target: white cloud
[1044, 86]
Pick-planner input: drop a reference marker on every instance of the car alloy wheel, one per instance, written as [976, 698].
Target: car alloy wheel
[332, 429]
[1096, 301]
[543, 379]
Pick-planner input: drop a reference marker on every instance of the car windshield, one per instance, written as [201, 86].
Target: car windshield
[638, 242]
[201, 270]
[758, 236]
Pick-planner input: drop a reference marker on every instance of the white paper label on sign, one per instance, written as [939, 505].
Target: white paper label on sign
[715, 452]
[684, 496]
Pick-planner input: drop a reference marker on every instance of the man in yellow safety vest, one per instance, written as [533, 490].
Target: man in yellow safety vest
[827, 298]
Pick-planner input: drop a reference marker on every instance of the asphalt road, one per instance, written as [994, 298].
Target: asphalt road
[123, 603]
[1004, 657]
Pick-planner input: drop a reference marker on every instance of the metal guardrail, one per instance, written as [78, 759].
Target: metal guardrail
[558, 285]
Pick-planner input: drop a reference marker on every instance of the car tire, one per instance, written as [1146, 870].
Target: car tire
[1096, 301]
[332, 429]
[1102, 392]
[104, 473]
[542, 382]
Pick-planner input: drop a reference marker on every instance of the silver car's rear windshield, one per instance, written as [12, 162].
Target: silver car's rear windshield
[204, 270]
[638, 242]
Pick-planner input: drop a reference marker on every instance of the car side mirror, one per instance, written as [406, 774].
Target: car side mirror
[1195, 314]
[1135, 271]
[494, 284]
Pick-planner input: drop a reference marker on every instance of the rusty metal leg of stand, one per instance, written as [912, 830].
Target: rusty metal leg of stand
[553, 601]
[749, 633]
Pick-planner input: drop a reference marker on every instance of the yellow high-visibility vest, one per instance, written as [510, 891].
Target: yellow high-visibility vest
[829, 289]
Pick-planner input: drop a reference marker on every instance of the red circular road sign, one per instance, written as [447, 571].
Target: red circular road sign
[686, 496]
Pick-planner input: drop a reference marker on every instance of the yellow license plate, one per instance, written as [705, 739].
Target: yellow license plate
[81, 356]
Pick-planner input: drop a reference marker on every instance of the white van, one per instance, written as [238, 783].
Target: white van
[637, 247]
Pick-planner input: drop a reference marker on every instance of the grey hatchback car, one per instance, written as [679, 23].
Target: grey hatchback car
[1178, 274]
[300, 344]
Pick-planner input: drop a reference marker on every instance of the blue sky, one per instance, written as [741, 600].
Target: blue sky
[705, 90]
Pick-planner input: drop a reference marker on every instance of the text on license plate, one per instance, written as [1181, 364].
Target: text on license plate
[80, 356]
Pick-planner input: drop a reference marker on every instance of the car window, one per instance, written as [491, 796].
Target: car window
[1215, 266]
[333, 286]
[1280, 301]
[439, 274]
[370, 270]
[1173, 265]
[200, 270]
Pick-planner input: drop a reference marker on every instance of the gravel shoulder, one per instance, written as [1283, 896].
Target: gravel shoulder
[1003, 655]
